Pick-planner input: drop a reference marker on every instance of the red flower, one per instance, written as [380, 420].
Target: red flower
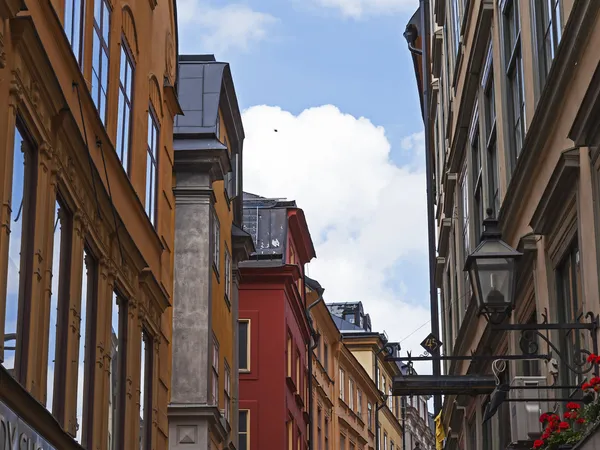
[597, 359]
[564, 426]
[546, 435]
[573, 405]
[594, 381]
[544, 417]
[591, 358]
[586, 386]
[538, 443]
[567, 415]
[581, 420]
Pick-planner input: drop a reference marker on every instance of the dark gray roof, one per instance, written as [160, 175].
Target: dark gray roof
[344, 325]
[339, 309]
[313, 284]
[253, 201]
[204, 84]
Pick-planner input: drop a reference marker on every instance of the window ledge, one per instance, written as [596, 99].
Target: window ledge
[291, 384]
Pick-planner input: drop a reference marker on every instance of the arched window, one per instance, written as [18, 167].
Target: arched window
[100, 56]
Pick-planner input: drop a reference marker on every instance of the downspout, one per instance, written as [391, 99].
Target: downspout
[403, 423]
[315, 343]
[433, 297]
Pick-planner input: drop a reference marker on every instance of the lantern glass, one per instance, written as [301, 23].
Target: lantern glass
[492, 280]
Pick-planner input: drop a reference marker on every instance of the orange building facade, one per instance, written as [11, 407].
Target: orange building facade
[86, 236]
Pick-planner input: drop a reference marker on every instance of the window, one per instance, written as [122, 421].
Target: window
[145, 410]
[244, 345]
[548, 33]
[215, 372]
[290, 434]
[477, 181]
[85, 357]
[116, 385]
[390, 399]
[370, 415]
[514, 74]
[216, 242]
[22, 201]
[359, 403]
[227, 392]
[342, 384]
[464, 191]
[288, 354]
[351, 393]
[152, 166]
[100, 56]
[297, 380]
[472, 434]
[232, 177]
[455, 27]
[325, 355]
[74, 27]
[342, 442]
[227, 275]
[59, 294]
[392, 446]
[319, 437]
[385, 442]
[489, 108]
[218, 126]
[244, 429]
[326, 433]
[570, 301]
[125, 120]
[383, 384]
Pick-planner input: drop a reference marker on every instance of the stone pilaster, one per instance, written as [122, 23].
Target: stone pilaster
[190, 410]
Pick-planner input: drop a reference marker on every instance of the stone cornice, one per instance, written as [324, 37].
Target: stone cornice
[557, 190]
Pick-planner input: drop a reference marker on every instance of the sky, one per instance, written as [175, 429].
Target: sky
[335, 79]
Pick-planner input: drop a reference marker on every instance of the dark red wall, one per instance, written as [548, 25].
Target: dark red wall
[265, 391]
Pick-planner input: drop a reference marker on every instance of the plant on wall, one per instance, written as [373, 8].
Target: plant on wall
[566, 431]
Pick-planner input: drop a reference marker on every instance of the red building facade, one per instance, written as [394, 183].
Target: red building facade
[273, 328]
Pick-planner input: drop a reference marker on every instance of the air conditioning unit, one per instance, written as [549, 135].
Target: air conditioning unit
[525, 416]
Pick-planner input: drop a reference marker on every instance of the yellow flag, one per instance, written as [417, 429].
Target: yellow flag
[440, 434]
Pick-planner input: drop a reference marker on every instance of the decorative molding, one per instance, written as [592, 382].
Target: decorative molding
[450, 181]
[437, 49]
[130, 31]
[444, 235]
[559, 187]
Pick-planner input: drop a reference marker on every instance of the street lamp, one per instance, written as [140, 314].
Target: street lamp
[492, 271]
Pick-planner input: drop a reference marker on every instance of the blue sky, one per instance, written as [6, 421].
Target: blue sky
[295, 58]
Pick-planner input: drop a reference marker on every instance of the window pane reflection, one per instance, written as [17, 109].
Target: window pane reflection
[73, 24]
[145, 391]
[84, 369]
[17, 205]
[114, 375]
[58, 251]
[125, 102]
[100, 57]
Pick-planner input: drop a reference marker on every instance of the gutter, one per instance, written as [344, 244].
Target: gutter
[315, 343]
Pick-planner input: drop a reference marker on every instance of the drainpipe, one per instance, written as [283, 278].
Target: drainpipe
[433, 298]
[315, 343]
[403, 400]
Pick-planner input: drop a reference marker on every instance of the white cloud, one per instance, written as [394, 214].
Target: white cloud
[205, 28]
[366, 215]
[356, 9]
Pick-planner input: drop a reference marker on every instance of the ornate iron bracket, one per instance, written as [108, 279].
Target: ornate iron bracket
[529, 345]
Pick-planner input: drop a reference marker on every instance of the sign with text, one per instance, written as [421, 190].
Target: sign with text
[17, 435]
[431, 343]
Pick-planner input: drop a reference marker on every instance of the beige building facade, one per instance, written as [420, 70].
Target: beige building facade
[514, 132]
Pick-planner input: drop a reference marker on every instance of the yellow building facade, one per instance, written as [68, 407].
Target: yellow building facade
[345, 397]
[86, 241]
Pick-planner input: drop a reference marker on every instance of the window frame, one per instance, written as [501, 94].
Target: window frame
[215, 371]
[248, 333]
[513, 67]
[118, 418]
[227, 392]
[103, 50]
[216, 242]
[545, 23]
[246, 433]
[147, 344]
[124, 151]
[342, 382]
[227, 275]
[72, 34]
[153, 157]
